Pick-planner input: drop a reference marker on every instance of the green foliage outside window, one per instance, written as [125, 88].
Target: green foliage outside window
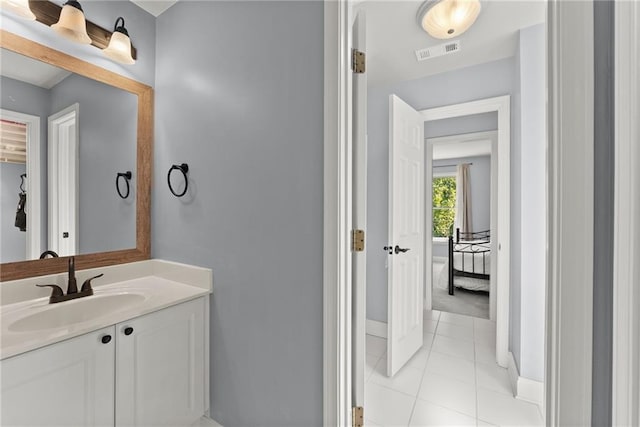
[444, 205]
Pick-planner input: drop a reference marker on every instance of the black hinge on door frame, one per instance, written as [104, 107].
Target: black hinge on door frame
[357, 416]
[358, 60]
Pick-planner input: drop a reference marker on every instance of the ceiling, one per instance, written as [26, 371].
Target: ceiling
[155, 7]
[393, 35]
[25, 69]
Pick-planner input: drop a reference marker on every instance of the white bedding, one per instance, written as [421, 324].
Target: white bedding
[472, 261]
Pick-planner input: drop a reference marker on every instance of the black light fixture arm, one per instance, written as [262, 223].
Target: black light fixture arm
[120, 28]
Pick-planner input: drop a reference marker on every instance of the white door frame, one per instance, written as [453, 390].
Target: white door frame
[32, 208]
[569, 296]
[359, 259]
[491, 136]
[337, 309]
[568, 320]
[500, 246]
[67, 164]
[626, 255]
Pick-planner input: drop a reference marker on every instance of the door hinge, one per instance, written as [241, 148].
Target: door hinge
[357, 416]
[358, 61]
[357, 240]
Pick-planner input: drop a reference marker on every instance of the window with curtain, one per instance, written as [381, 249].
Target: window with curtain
[444, 205]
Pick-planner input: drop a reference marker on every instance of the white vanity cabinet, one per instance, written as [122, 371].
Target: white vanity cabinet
[70, 383]
[160, 367]
[150, 371]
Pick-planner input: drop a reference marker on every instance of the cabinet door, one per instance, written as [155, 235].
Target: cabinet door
[160, 367]
[65, 384]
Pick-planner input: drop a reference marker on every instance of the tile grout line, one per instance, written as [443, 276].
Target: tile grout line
[424, 370]
[475, 371]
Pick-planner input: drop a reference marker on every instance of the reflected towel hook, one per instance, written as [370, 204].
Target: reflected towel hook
[184, 168]
[47, 253]
[127, 176]
[22, 178]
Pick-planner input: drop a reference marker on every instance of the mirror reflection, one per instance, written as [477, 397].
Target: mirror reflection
[65, 139]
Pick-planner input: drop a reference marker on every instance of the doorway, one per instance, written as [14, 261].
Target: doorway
[63, 152]
[20, 168]
[472, 279]
[566, 372]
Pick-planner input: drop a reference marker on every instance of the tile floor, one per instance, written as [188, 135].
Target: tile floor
[453, 380]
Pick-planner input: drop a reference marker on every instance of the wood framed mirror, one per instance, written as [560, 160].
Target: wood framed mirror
[141, 187]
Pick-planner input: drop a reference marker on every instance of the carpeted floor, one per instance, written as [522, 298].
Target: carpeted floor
[470, 303]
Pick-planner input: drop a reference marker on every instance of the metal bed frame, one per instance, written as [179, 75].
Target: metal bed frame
[473, 242]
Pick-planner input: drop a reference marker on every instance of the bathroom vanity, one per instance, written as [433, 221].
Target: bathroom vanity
[134, 349]
[134, 353]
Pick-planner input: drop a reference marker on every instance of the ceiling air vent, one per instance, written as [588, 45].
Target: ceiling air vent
[435, 51]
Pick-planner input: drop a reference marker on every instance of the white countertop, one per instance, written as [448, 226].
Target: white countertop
[156, 291]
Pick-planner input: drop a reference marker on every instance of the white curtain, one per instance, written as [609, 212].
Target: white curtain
[463, 219]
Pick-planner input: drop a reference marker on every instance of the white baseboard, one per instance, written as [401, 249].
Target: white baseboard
[206, 422]
[375, 328]
[524, 388]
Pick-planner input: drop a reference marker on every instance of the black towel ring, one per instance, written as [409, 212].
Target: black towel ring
[127, 176]
[22, 177]
[184, 168]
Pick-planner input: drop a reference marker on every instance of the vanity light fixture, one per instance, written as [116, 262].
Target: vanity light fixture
[72, 24]
[69, 21]
[119, 48]
[444, 19]
[19, 7]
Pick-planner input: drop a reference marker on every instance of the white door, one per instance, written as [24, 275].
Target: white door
[359, 259]
[406, 234]
[63, 181]
[160, 367]
[64, 384]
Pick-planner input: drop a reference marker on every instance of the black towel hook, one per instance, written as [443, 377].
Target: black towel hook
[22, 177]
[184, 168]
[127, 176]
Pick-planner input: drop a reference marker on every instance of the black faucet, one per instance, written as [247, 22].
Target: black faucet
[57, 295]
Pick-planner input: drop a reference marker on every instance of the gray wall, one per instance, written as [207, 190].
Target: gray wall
[108, 127]
[13, 242]
[27, 99]
[604, 137]
[460, 125]
[235, 102]
[480, 173]
[481, 81]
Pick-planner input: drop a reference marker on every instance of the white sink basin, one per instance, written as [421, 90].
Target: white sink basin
[76, 311]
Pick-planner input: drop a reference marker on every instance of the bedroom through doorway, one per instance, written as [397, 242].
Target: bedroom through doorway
[461, 203]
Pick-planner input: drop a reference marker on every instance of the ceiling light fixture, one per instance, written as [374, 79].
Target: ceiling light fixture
[119, 48]
[72, 24]
[444, 19]
[19, 7]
